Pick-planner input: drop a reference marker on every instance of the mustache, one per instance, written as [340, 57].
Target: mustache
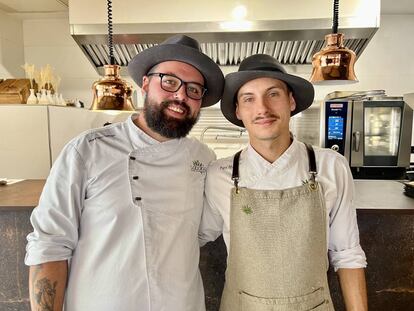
[267, 116]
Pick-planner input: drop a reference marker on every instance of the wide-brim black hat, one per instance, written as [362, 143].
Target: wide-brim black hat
[263, 66]
[184, 49]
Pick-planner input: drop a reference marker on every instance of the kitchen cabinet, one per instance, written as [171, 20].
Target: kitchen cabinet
[32, 136]
[24, 142]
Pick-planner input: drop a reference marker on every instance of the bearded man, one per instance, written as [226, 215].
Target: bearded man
[117, 223]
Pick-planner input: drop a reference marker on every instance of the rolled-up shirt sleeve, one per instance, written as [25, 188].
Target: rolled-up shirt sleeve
[56, 219]
[344, 247]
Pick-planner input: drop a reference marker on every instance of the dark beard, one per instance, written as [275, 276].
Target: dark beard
[167, 127]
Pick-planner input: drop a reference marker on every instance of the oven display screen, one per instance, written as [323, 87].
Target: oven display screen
[335, 127]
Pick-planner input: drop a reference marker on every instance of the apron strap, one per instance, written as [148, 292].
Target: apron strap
[235, 173]
[311, 159]
[312, 162]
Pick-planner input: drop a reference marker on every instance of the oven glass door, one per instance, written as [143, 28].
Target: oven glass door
[382, 127]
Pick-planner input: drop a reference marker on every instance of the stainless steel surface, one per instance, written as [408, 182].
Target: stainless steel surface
[238, 130]
[357, 156]
[381, 195]
[409, 99]
[290, 41]
[378, 128]
[406, 133]
[358, 95]
[357, 140]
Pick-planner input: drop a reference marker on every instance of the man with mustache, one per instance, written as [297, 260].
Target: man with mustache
[117, 223]
[281, 205]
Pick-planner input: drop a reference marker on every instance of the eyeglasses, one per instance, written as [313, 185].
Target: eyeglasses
[172, 84]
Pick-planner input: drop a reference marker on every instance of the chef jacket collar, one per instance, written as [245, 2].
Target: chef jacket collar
[260, 165]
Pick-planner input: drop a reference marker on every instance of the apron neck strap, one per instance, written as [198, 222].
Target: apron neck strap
[235, 173]
[312, 161]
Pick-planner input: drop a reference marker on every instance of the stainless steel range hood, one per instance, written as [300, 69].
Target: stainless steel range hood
[290, 39]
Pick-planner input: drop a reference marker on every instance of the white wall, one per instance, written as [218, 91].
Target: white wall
[48, 41]
[11, 46]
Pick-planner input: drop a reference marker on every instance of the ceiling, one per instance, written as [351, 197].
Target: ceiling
[49, 6]
[33, 6]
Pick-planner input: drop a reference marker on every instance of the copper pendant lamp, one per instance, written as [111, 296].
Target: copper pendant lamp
[334, 64]
[111, 92]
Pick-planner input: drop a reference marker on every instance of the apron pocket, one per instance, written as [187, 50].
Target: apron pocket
[314, 301]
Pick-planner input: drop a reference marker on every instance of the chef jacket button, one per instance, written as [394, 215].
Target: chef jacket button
[138, 198]
[135, 177]
[132, 158]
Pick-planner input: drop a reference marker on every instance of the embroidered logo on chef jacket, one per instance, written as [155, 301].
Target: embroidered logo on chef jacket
[199, 167]
[227, 167]
[100, 137]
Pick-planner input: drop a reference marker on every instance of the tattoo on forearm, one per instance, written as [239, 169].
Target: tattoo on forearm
[45, 294]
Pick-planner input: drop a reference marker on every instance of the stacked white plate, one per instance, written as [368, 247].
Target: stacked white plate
[409, 189]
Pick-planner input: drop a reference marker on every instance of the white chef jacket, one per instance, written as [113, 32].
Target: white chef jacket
[125, 209]
[289, 170]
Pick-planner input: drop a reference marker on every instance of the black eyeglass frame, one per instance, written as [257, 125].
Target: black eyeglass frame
[161, 75]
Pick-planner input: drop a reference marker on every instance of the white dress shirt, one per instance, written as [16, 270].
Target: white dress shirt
[290, 170]
[125, 210]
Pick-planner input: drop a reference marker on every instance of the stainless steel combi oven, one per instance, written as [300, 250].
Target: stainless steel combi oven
[372, 131]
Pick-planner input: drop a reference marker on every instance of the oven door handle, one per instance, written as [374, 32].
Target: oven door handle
[357, 140]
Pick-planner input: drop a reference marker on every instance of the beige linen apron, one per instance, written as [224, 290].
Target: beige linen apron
[278, 249]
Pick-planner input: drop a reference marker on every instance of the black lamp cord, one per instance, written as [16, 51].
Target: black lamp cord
[335, 16]
[110, 42]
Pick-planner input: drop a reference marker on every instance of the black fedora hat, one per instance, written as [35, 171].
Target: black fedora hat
[262, 66]
[184, 49]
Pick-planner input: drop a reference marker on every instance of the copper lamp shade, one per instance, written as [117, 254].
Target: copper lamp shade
[111, 92]
[334, 64]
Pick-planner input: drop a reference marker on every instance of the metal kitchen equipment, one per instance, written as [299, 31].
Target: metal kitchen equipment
[372, 130]
[111, 92]
[291, 31]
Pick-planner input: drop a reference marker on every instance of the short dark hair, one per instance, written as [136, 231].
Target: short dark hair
[152, 69]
